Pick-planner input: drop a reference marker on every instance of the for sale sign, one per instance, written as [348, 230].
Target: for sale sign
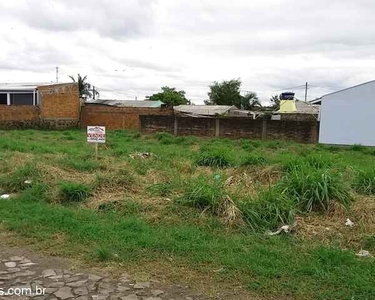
[96, 134]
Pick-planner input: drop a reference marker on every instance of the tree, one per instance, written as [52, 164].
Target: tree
[250, 101]
[275, 102]
[225, 93]
[169, 96]
[86, 90]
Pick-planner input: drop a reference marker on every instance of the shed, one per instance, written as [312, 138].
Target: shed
[347, 117]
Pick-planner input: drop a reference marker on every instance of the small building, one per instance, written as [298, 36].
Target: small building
[347, 117]
[296, 110]
[39, 105]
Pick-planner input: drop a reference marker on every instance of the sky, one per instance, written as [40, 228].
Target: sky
[130, 49]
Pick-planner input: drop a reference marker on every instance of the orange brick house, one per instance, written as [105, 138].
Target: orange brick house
[55, 106]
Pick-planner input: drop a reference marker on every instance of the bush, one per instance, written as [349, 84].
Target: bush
[268, 210]
[315, 189]
[364, 183]
[204, 194]
[254, 160]
[216, 158]
[74, 192]
[357, 147]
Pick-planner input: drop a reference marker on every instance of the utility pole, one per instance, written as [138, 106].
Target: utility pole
[57, 74]
[93, 92]
[306, 87]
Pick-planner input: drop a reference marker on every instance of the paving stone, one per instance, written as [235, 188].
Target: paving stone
[99, 297]
[48, 273]
[157, 292]
[153, 298]
[141, 285]
[64, 293]
[123, 288]
[81, 291]
[56, 284]
[77, 283]
[10, 264]
[82, 298]
[16, 258]
[94, 277]
[130, 297]
[12, 270]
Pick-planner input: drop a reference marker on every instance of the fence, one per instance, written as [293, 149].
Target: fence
[264, 129]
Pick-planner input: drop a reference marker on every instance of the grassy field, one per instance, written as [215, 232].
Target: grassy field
[198, 210]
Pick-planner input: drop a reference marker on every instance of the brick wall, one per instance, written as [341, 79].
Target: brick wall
[18, 113]
[305, 132]
[117, 117]
[59, 101]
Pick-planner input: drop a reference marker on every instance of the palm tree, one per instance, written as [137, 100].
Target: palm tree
[250, 101]
[85, 88]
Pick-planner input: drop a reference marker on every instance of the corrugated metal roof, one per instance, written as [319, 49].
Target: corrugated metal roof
[204, 110]
[24, 86]
[127, 103]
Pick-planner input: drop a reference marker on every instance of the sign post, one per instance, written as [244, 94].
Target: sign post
[96, 134]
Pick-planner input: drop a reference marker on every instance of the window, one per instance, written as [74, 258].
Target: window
[21, 99]
[3, 99]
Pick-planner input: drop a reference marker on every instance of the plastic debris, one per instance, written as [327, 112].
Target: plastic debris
[142, 155]
[28, 181]
[285, 228]
[349, 223]
[363, 253]
[5, 197]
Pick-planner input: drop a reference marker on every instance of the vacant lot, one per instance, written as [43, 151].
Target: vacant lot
[198, 211]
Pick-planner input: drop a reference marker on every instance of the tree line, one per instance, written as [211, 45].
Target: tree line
[221, 93]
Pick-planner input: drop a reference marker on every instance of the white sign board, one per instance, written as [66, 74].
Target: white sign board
[96, 134]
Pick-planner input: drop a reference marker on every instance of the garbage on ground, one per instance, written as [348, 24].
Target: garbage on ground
[349, 223]
[285, 228]
[364, 253]
[28, 181]
[142, 155]
[5, 196]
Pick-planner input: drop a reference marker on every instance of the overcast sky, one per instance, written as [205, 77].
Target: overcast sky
[131, 48]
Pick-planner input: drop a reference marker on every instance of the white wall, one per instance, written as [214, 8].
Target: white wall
[348, 117]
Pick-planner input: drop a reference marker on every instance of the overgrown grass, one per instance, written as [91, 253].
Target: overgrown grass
[74, 192]
[216, 158]
[269, 210]
[180, 204]
[315, 189]
[364, 183]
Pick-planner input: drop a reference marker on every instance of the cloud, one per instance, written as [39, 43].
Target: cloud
[132, 48]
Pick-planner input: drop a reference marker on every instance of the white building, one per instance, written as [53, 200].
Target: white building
[347, 117]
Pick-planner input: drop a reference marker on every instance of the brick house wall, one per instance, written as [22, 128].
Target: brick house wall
[59, 108]
[305, 132]
[117, 117]
[59, 101]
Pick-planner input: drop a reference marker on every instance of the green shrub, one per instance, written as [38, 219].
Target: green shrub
[357, 147]
[250, 145]
[215, 158]
[315, 189]
[364, 183]
[203, 193]
[165, 138]
[254, 160]
[268, 210]
[74, 192]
